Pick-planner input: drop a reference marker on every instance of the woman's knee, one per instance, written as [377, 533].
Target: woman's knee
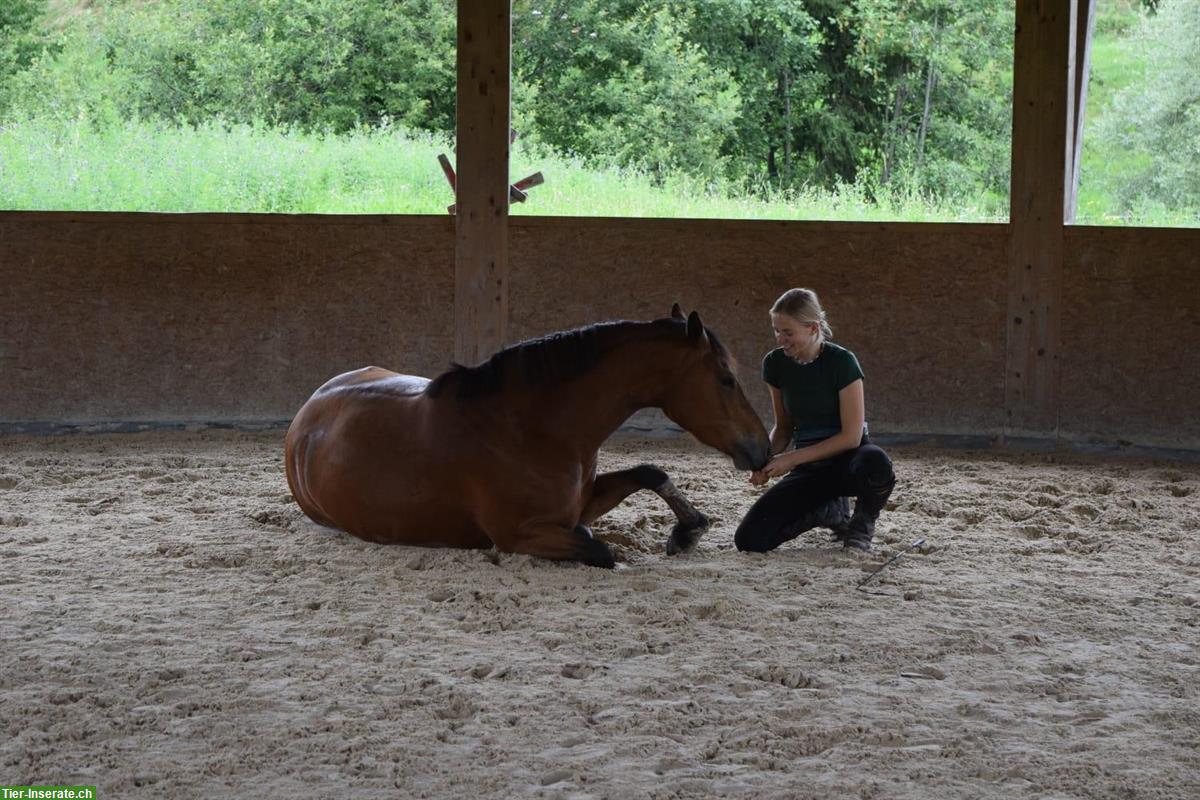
[874, 466]
[751, 539]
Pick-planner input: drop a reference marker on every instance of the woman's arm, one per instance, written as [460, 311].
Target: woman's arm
[781, 433]
[853, 411]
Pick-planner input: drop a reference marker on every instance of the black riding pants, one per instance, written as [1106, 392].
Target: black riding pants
[786, 509]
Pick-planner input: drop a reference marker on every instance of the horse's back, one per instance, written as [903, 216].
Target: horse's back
[373, 379]
[361, 455]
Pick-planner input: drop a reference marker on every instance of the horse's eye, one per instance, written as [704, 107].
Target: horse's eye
[728, 381]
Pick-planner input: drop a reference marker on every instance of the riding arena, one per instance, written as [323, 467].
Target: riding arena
[444, 506]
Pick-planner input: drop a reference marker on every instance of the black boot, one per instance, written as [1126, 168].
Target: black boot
[834, 515]
[873, 475]
[859, 530]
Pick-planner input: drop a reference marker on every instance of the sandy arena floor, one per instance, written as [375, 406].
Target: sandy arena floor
[171, 623]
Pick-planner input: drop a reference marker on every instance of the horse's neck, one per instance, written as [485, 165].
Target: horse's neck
[590, 407]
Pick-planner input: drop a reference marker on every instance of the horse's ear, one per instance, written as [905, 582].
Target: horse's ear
[695, 326]
[676, 312]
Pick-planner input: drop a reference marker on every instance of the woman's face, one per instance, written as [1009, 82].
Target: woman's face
[794, 336]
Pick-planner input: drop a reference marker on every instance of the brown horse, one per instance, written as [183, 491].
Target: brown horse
[504, 453]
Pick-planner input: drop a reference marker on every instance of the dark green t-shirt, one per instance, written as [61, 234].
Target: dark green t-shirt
[810, 391]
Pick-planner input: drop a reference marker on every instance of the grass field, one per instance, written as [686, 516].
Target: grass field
[141, 166]
[152, 166]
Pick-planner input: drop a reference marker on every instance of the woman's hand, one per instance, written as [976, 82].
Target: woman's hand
[778, 465]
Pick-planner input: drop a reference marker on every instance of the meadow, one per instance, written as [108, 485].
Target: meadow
[147, 166]
[52, 161]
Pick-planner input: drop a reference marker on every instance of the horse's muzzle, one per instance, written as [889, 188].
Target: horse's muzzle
[751, 455]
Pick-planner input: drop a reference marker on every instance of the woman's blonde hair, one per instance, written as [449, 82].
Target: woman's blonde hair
[804, 305]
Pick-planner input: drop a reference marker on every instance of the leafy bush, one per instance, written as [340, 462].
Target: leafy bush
[623, 86]
[75, 81]
[20, 41]
[1155, 122]
[316, 64]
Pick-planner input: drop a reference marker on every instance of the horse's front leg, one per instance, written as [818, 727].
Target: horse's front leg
[555, 541]
[613, 487]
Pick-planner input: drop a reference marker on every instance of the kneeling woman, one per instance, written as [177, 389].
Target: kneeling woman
[817, 392]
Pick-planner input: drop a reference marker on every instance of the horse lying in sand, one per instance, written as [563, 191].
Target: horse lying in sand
[504, 453]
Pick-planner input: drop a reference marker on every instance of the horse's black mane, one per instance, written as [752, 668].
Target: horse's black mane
[552, 358]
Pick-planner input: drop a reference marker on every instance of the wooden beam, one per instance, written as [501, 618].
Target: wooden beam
[1085, 27]
[481, 214]
[1042, 158]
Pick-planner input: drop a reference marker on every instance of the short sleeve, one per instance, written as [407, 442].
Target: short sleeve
[848, 370]
[770, 369]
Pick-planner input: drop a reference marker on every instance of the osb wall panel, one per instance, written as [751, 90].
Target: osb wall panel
[237, 318]
[123, 317]
[1131, 336]
[922, 305]
[160, 318]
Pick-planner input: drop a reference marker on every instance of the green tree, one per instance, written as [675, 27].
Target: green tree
[73, 82]
[313, 64]
[842, 129]
[20, 41]
[617, 81]
[1157, 119]
[943, 87]
[771, 50]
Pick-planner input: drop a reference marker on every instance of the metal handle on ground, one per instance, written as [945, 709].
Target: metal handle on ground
[868, 579]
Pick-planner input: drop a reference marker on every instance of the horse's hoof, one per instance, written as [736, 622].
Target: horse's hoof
[676, 544]
[598, 554]
[684, 538]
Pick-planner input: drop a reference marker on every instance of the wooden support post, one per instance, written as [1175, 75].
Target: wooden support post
[1085, 27]
[1042, 158]
[481, 218]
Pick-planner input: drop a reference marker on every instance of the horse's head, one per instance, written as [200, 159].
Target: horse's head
[707, 401]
